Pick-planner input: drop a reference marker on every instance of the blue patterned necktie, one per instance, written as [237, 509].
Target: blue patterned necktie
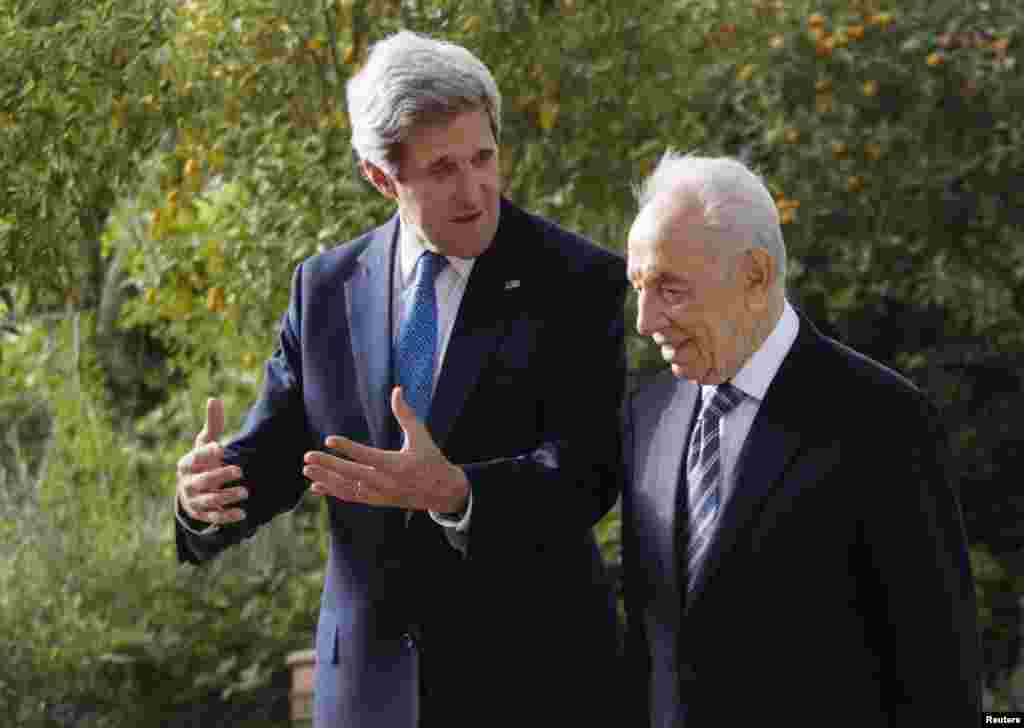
[417, 341]
[704, 474]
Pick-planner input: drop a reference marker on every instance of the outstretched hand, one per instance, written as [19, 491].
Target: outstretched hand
[417, 477]
[202, 474]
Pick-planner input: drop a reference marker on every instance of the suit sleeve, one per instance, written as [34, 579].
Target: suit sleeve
[636, 674]
[925, 616]
[572, 479]
[269, 448]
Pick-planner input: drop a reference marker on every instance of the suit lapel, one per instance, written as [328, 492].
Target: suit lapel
[666, 432]
[368, 300]
[771, 445]
[495, 287]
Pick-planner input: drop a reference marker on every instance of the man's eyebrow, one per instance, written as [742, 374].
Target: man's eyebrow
[657, 277]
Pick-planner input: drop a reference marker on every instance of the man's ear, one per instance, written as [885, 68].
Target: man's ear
[379, 179]
[758, 275]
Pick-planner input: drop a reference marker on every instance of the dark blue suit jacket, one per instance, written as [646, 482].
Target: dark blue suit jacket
[527, 401]
[837, 587]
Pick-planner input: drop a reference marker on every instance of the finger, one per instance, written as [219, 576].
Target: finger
[210, 508]
[371, 456]
[357, 491]
[217, 500]
[415, 431]
[213, 427]
[337, 471]
[201, 459]
[351, 491]
[219, 517]
[211, 480]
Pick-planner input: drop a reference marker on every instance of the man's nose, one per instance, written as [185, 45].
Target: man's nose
[648, 314]
[468, 185]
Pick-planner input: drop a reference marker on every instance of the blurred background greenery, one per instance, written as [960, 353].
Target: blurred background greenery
[164, 165]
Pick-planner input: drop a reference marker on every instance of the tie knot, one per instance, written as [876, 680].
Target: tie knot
[725, 399]
[430, 266]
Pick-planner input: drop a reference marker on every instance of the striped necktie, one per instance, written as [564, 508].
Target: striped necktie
[704, 474]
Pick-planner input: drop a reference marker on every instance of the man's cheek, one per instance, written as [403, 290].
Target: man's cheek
[689, 353]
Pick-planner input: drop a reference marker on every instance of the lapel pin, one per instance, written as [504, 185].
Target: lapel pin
[514, 283]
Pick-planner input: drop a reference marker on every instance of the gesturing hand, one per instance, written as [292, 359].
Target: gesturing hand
[202, 474]
[417, 477]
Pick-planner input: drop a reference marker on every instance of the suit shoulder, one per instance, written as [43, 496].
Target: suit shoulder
[339, 258]
[861, 381]
[329, 267]
[652, 391]
[567, 251]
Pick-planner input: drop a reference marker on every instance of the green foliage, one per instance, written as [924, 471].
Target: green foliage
[72, 134]
[897, 135]
[88, 586]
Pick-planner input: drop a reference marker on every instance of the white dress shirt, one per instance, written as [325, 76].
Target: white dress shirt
[449, 289]
[753, 379]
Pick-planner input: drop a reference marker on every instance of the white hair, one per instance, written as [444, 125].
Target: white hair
[411, 80]
[728, 197]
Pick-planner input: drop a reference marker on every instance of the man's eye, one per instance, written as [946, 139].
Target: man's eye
[484, 156]
[672, 294]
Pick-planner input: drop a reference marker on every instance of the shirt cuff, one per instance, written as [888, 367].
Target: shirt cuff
[454, 520]
[196, 528]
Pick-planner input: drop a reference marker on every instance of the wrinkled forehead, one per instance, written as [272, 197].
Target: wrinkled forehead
[670, 239]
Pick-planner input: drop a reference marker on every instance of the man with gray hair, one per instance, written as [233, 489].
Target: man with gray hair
[793, 546]
[427, 384]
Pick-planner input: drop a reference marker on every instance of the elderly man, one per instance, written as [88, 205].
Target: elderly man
[794, 548]
[428, 384]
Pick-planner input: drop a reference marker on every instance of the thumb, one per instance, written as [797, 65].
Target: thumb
[406, 416]
[213, 428]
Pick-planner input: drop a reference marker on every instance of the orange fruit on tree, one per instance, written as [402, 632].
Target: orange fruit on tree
[215, 300]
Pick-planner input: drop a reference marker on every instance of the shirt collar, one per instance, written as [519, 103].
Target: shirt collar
[754, 378]
[411, 246]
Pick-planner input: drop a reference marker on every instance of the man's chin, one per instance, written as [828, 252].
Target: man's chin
[465, 246]
[696, 374]
[686, 372]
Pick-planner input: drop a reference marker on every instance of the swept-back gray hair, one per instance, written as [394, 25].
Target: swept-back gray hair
[727, 196]
[411, 80]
